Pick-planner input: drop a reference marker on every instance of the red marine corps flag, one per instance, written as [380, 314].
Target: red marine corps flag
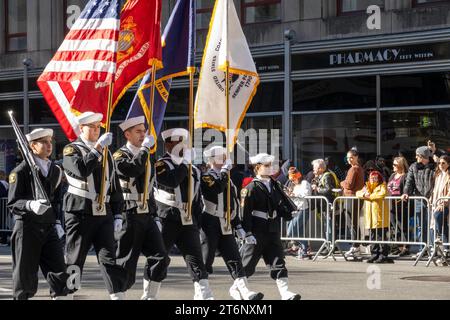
[105, 47]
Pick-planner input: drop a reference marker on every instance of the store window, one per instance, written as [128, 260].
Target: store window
[415, 89]
[345, 7]
[322, 135]
[204, 13]
[404, 131]
[257, 11]
[338, 93]
[16, 25]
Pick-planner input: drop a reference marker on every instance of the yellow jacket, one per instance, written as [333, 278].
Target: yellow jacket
[376, 208]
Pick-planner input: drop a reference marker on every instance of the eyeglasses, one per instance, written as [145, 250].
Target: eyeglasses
[442, 162]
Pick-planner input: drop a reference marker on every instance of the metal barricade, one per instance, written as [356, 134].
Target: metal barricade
[312, 223]
[399, 222]
[6, 219]
[439, 231]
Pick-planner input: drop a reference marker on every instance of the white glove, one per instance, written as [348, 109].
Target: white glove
[227, 165]
[250, 240]
[59, 230]
[159, 224]
[105, 139]
[118, 224]
[149, 141]
[240, 233]
[37, 206]
[188, 155]
[295, 214]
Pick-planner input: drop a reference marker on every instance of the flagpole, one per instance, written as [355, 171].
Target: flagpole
[227, 96]
[150, 124]
[191, 71]
[102, 194]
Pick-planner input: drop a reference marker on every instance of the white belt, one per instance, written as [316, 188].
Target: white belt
[85, 194]
[211, 208]
[76, 183]
[124, 184]
[132, 196]
[169, 199]
[263, 215]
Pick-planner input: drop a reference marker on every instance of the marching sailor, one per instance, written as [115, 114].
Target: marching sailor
[141, 230]
[171, 195]
[36, 238]
[264, 204]
[214, 186]
[86, 222]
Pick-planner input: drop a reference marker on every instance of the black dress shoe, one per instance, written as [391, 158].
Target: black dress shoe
[372, 259]
[257, 296]
[295, 297]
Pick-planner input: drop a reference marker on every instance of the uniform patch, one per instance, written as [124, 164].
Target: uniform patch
[159, 164]
[208, 180]
[68, 151]
[118, 154]
[12, 178]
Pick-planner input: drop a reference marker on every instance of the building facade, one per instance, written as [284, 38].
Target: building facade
[327, 85]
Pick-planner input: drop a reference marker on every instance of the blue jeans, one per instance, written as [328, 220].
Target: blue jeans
[296, 227]
[441, 224]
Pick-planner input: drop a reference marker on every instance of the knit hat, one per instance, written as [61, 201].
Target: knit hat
[424, 152]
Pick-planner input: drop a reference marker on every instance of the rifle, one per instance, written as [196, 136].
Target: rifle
[27, 155]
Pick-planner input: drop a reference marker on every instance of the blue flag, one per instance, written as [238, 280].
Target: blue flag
[178, 53]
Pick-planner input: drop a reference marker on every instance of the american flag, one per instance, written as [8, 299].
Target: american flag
[87, 54]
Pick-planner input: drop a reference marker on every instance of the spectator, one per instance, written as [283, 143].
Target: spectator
[439, 219]
[399, 211]
[419, 182]
[301, 189]
[324, 180]
[283, 175]
[334, 168]
[376, 215]
[353, 182]
[438, 154]
[384, 170]
[368, 167]
[4, 186]
[323, 184]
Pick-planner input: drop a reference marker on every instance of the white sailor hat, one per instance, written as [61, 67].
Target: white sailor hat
[39, 133]
[172, 134]
[127, 124]
[215, 152]
[262, 158]
[89, 117]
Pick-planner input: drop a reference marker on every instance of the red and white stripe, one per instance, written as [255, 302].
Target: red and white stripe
[88, 53]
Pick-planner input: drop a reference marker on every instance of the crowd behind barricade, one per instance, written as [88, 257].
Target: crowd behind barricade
[386, 208]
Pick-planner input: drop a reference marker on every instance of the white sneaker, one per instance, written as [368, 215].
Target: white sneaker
[354, 251]
[151, 290]
[234, 292]
[202, 290]
[282, 284]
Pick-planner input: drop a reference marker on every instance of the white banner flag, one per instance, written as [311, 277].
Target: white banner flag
[225, 45]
